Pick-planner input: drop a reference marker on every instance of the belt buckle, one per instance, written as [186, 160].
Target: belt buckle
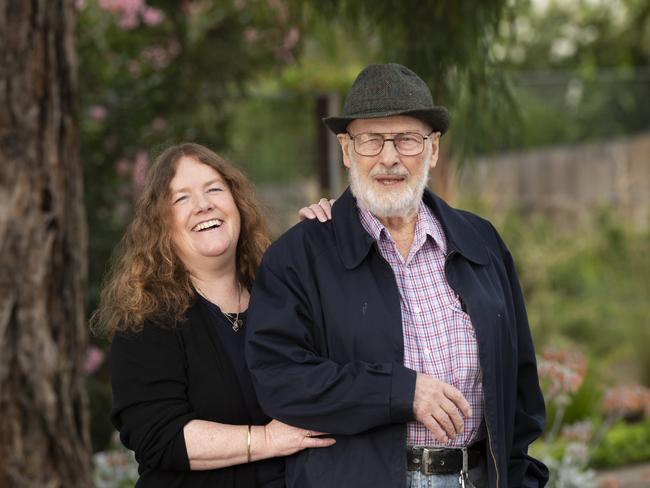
[425, 467]
[427, 461]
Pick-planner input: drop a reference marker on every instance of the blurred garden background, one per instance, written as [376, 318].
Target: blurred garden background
[550, 139]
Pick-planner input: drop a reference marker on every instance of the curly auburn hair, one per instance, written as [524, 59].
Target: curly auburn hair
[146, 279]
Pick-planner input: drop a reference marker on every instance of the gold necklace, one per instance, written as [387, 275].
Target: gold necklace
[236, 323]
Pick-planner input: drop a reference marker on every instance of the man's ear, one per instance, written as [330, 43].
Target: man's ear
[344, 141]
[435, 149]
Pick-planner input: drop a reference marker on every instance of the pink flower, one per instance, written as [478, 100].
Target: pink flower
[159, 57]
[140, 169]
[281, 9]
[128, 21]
[121, 6]
[156, 56]
[579, 431]
[627, 401]
[284, 51]
[98, 113]
[251, 34]
[193, 8]
[108, 5]
[123, 166]
[93, 360]
[291, 39]
[158, 124]
[562, 372]
[130, 13]
[133, 66]
[152, 16]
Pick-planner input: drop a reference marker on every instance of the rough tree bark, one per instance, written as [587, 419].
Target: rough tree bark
[44, 439]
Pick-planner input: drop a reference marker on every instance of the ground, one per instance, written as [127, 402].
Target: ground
[635, 476]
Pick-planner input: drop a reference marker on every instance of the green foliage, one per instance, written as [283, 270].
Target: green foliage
[605, 447]
[585, 403]
[623, 444]
[271, 155]
[587, 400]
[582, 34]
[447, 42]
[98, 388]
[146, 86]
[587, 286]
[432, 37]
[554, 449]
[580, 70]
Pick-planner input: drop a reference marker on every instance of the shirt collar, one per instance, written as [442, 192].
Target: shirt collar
[354, 242]
[426, 225]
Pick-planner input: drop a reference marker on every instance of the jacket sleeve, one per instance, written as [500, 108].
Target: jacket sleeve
[525, 471]
[150, 406]
[295, 380]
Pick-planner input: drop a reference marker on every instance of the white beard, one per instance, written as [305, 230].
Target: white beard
[386, 201]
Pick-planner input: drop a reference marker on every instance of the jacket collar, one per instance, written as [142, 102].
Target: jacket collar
[354, 242]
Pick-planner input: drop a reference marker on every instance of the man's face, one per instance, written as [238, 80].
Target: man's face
[389, 184]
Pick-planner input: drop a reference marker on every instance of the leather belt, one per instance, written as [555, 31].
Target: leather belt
[434, 460]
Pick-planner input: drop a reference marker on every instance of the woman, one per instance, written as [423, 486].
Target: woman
[174, 304]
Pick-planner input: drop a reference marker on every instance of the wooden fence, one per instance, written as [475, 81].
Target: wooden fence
[567, 182]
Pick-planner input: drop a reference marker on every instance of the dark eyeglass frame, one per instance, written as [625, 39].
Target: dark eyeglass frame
[383, 135]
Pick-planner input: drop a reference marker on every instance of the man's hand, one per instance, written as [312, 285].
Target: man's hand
[437, 404]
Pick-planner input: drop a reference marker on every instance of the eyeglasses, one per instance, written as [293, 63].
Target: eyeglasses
[406, 143]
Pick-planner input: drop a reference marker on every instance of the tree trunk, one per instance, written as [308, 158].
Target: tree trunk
[44, 439]
[443, 176]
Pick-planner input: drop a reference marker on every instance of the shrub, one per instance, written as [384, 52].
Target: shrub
[623, 443]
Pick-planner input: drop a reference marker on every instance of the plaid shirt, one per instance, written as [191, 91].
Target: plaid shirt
[439, 338]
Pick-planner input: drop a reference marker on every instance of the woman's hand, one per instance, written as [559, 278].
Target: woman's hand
[321, 210]
[283, 440]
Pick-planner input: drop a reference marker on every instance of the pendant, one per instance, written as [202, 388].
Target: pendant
[237, 324]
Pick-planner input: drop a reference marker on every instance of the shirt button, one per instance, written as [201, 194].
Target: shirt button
[416, 309]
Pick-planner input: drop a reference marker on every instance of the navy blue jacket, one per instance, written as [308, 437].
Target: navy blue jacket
[325, 349]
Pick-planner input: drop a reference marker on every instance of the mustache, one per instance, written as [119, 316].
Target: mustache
[390, 172]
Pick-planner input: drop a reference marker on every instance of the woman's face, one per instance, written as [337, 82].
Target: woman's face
[205, 221]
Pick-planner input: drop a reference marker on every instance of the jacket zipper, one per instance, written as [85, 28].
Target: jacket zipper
[487, 427]
[494, 459]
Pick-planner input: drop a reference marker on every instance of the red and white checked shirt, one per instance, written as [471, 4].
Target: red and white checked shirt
[439, 338]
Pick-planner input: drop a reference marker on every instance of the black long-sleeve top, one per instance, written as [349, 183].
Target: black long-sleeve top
[166, 376]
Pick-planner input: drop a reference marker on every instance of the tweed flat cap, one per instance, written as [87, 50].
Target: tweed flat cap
[383, 90]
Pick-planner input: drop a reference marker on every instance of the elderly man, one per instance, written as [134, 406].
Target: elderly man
[399, 326]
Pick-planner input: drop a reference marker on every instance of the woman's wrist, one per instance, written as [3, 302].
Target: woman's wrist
[248, 444]
[259, 448]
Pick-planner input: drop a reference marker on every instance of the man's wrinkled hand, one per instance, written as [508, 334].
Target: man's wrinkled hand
[439, 406]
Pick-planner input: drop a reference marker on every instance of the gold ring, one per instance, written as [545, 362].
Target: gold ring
[308, 434]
